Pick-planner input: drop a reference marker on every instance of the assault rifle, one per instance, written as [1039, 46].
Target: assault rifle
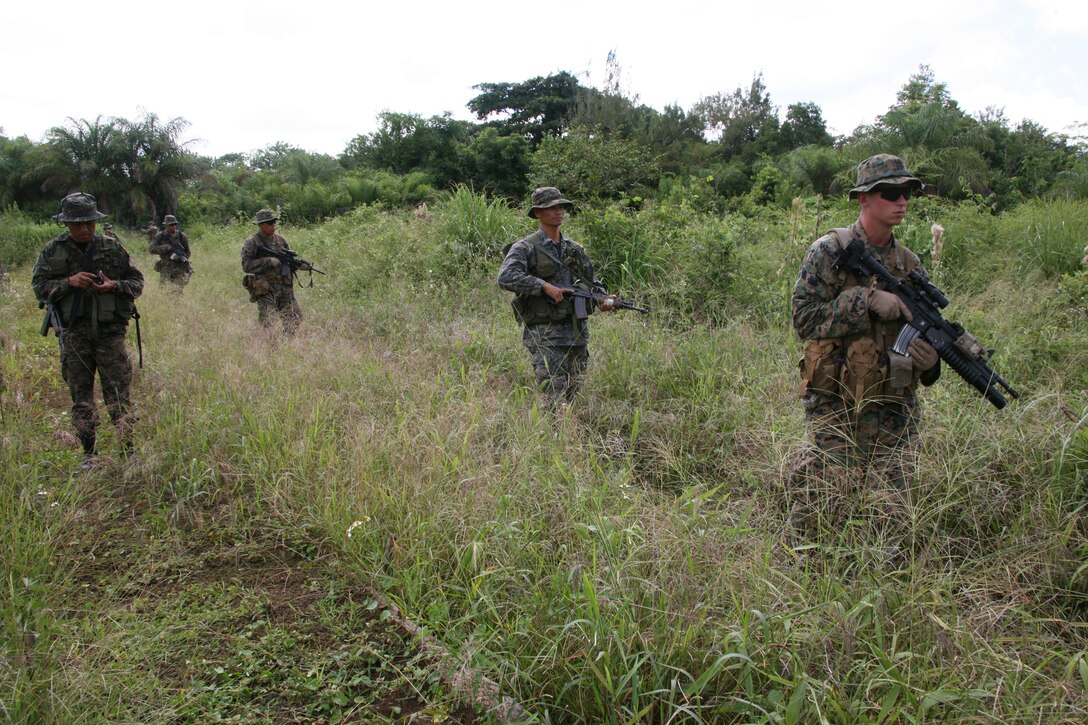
[52, 320]
[290, 262]
[582, 297]
[177, 253]
[956, 346]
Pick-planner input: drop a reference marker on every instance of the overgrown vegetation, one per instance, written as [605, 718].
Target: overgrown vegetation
[595, 144]
[625, 561]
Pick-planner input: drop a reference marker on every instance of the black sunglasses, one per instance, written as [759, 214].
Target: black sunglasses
[894, 194]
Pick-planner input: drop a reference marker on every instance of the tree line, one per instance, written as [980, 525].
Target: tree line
[596, 144]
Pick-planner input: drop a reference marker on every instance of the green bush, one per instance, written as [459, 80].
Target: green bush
[587, 164]
[472, 231]
[626, 253]
[21, 238]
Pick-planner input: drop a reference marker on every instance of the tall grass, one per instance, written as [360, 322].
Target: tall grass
[625, 560]
[21, 237]
[472, 231]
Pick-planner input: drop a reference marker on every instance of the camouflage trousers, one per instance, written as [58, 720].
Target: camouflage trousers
[559, 369]
[279, 304]
[83, 355]
[860, 464]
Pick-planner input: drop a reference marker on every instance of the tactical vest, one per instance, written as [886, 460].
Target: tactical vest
[861, 367]
[539, 309]
[66, 258]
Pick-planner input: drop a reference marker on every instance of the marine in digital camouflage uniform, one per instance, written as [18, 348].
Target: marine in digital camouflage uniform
[173, 249]
[269, 281]
[93, 284]
[537, 269]
[859, 396]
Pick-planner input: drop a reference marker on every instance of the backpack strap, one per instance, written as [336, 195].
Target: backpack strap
[841, 235]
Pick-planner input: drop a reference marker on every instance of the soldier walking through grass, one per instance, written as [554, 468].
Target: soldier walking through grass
[173, 264]
[538, 269]
[859, 395]
[271, 282]
[91, 283]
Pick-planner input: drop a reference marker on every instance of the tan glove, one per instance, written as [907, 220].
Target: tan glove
[887, 306]
[923, 354]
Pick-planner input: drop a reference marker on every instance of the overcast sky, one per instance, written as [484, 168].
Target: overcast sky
[315, 74]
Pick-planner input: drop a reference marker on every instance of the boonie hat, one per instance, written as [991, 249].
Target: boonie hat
[265, 216]
[884, 169]
[169, 219]
[546, 197]
[78, 207]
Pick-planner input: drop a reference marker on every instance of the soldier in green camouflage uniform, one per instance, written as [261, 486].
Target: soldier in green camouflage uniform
[858, 394]
[173, 264]
[537, 269]
[269, 281]
[93, 284]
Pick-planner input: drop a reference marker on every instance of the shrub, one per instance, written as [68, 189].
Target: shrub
[472, 231]
[21, 238]
[587, 164]
[625, 253]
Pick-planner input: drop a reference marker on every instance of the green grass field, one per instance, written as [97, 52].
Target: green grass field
[623, 561]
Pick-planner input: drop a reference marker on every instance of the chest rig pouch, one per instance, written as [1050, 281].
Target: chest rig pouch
[862, 367]
[539, 309]
[102, 255]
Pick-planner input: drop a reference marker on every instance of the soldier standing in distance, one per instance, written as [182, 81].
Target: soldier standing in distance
[173, 264]
[858, 394]
[538, 269]
[270, 282]
[92, 283]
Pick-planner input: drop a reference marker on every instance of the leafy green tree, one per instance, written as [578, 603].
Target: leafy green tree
[17, 157]
[155, 164]
[742, 121]
[1024, 161]
[87, 156]
[535, 108]
[271, 157]
[405, 143]
[804, 126]
[923, 89]
[939, 142]
[591, 165]
[498, 164]
[675, 137]
[611, 110]
[815, 169]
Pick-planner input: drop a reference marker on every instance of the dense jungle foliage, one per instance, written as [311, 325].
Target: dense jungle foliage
[739, 149]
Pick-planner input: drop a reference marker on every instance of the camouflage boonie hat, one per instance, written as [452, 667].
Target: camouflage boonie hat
[107, 226]
[169, 219]
[546, 197]
[884, 169]
[78, 207]
[265, 216]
